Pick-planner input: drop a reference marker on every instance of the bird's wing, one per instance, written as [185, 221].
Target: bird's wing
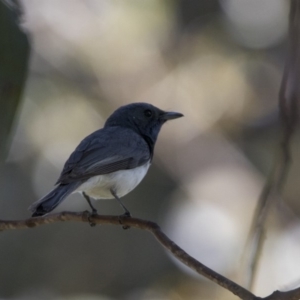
[105, 151]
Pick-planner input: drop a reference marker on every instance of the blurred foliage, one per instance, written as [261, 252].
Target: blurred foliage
[14, 55]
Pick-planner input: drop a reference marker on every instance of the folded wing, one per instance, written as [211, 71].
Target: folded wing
[105, 151]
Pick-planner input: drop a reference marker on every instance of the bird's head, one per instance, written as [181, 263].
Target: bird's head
[143, 118]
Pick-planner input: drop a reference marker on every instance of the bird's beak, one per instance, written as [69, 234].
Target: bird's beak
[170, 115]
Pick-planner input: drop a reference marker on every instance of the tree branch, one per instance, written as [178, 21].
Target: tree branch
[135, 223]
[168, 244]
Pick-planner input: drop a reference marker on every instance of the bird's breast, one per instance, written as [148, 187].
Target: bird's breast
[122, 182]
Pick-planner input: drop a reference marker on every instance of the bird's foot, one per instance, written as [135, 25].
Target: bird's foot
[90, 215]
[125, 215]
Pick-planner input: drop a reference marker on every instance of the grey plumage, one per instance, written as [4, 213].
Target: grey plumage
[98, 154]
[111, 161]
[54, 198]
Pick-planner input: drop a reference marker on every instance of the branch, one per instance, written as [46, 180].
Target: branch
[152, 227]
[288, 295]
[135, 223]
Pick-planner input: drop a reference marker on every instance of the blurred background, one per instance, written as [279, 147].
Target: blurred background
[219, 63]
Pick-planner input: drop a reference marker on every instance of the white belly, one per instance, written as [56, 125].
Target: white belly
[122, 182]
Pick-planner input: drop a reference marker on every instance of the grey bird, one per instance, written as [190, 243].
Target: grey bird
[112, 161]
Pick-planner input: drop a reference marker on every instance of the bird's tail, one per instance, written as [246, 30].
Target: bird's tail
[52, 199]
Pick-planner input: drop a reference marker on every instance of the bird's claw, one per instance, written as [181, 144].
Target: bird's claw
[125, 215]
[90, 215]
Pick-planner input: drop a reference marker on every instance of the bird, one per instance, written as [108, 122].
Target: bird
[110, 162]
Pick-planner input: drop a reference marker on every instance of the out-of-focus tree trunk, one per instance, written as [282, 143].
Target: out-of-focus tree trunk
[14, 55]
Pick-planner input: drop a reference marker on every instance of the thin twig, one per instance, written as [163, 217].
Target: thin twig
[289, 95]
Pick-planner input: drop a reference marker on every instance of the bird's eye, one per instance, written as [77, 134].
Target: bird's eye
[148, 113]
